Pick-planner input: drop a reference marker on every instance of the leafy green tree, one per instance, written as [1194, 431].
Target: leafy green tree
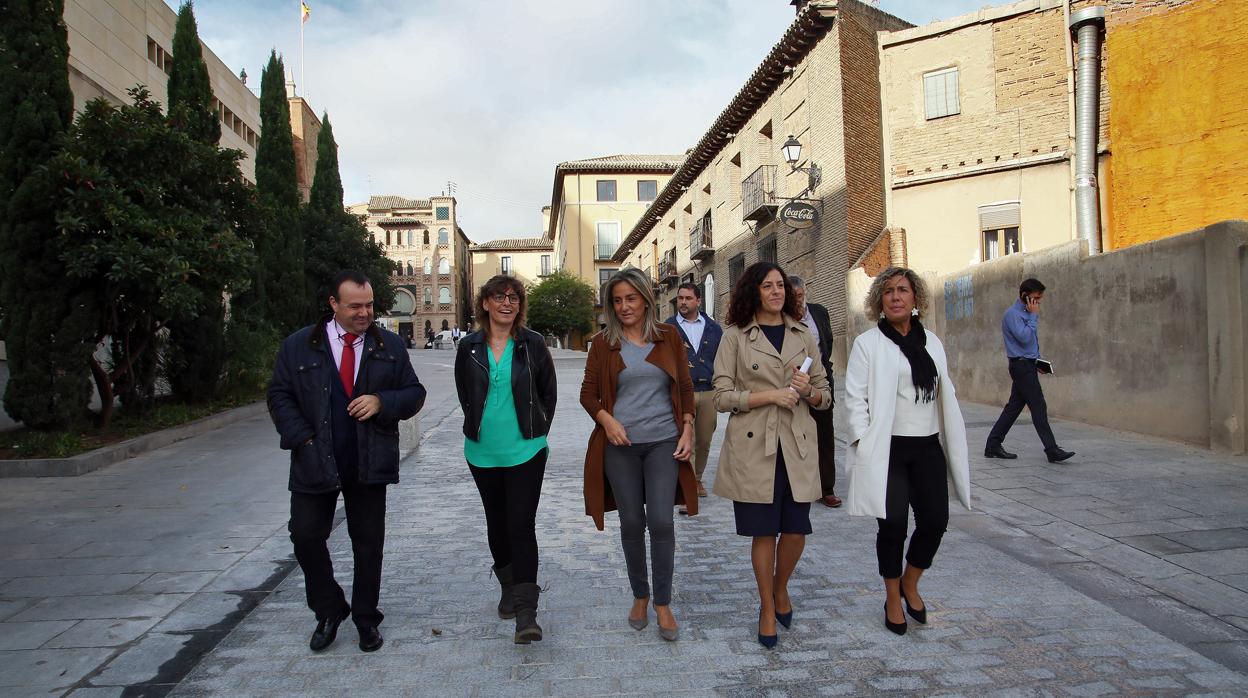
[335, 239]
[195, 355]
[190, 92]
[561, 304]
[144, 220]
[45, 315]
[281, 250]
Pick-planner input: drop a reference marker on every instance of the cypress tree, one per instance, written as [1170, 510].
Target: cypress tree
[195, 358]
[281, 255]
[326, 194]
[190, 92]
[336, 240]
[47, 317]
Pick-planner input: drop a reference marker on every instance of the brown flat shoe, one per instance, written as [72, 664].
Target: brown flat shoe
[832, 501]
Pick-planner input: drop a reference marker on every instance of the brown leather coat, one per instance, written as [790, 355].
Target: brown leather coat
[602, 370]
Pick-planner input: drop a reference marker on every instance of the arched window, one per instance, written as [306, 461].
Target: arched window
[444, 294]
[428, 297]
[410, 271]
[444, 237]
[411, 238]
[428, 265]
[426, 237]
[444, 266]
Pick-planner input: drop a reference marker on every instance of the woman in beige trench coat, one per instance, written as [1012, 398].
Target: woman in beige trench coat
[769, 462]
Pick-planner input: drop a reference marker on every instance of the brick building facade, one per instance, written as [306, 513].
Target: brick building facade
[717, 215]
[432, 261]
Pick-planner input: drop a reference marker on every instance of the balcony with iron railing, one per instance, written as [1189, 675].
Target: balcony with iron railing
[667, 268]
[605, 250]
[700, 239]
[758, 194]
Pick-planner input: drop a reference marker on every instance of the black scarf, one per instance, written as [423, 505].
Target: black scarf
[914, 346]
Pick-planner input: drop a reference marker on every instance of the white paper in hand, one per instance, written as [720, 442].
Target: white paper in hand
[805, 365]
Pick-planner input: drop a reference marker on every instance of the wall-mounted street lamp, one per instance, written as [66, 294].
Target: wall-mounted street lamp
[792, 151]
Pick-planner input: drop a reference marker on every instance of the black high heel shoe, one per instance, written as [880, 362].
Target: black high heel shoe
[898, 628]
[785, 619]
[919, 615]
[768, 641]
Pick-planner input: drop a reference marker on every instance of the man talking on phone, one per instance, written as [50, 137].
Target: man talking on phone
[1020, 326]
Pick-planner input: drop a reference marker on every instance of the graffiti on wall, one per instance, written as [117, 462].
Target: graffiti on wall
[959, 298]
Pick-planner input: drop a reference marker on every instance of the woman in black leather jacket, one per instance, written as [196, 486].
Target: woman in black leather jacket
[506, 382]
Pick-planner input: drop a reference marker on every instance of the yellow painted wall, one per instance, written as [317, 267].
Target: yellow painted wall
[1179, 126]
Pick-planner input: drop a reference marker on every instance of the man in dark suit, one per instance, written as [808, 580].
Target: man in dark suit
[701, 336]
[340, 387]
[815, 317]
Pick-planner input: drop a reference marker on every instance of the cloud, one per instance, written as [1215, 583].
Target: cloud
[493, 94]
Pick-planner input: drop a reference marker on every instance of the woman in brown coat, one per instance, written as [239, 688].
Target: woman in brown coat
[638, 391]
[769, 463]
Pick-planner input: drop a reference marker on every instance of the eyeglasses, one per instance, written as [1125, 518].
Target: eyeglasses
[502, 298]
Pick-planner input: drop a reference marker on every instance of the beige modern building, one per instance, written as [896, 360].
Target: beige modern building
[529, 260]
[719, 212]
[431, 256]
[117, 44]
[594, 203]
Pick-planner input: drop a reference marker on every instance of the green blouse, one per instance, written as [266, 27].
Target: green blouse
[502, 445]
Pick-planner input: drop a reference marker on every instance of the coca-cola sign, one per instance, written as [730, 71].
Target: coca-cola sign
[799, 215]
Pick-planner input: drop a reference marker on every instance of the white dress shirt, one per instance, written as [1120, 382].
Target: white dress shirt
[911, 418]
[809, 321]
[335, 332]
[693, 329]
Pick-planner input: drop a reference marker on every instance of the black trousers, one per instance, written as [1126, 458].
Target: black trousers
[510, 497]
[916, 479]
[826, 438]
[1025, 390]
[311, 522]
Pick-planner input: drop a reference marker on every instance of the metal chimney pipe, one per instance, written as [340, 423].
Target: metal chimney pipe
[1087, 24]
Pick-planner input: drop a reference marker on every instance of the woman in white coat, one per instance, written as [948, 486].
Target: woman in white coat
[905, 433]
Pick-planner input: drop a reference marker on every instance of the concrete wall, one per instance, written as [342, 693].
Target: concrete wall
[1149, 339]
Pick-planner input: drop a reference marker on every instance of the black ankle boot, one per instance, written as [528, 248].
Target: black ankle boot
[527, 629]
[506, 602]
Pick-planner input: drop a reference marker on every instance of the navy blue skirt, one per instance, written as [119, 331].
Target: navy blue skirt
[783, 515]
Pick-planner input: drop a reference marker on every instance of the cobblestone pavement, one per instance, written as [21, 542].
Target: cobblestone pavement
[1057, 585]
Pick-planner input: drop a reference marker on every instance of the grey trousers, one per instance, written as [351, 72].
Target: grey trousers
[643, 480]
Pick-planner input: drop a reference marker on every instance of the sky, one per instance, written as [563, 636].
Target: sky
[493, 94]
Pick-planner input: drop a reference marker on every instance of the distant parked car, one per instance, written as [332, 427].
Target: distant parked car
[443, 340]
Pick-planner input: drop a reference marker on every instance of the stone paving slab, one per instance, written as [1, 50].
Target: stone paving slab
[1019, 605]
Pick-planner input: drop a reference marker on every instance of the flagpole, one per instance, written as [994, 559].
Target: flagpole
[301, 61]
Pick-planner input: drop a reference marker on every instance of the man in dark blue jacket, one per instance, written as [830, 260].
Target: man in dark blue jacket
[701, 335]
[339, 389]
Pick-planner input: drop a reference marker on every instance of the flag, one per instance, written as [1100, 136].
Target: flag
[304, 11]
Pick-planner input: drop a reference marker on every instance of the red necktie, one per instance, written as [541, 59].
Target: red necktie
[346, 369]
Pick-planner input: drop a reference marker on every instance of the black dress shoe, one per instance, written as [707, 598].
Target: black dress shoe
[1058, 455]
[998, 452]
[327, 630]
[370, 638]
